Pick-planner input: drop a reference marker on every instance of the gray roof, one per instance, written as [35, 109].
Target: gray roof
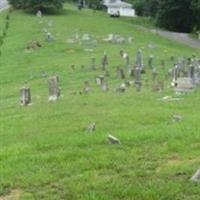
[120, 4]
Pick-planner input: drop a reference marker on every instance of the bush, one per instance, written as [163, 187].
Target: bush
[34, 5]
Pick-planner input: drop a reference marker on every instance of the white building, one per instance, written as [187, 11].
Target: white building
[119, 7]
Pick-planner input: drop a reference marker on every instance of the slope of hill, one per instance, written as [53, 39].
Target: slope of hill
[45, 153]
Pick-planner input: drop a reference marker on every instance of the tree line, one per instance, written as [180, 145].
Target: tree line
[175, 15]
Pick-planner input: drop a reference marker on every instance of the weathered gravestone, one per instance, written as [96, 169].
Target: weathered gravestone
[137, 77]
[121, 88]
[154, 74]
[93, 63]
[54, 90]
[104, 61]
[25, 96]
[126, 60]
[91, 128]
[184, 85]
[99, 80]
[104, 86]
[150, 62]
[139, 62]
[113, 140]
[196, 176]
[87, 88]
[120, 73]
[39, 13]
[50, 37]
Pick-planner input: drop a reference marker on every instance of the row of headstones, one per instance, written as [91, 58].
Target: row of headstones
[186, 74]
[54, 92]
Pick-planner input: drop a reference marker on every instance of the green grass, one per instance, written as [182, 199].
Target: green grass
[44, 152]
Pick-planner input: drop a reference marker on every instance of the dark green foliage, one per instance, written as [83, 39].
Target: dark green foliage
[95, 4]
[180, 15]
[176, 15]
[34, 5]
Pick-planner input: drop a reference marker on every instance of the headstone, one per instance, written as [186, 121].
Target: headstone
[131, 72]
[104, 61]
[25, 96]
[154, 74]
[196, 176]
[50, 37]
[113, 140]
[99, 80]
[162, 64]
[139, 62]
[126, 59]
[121, 88]
[91, 128]
[137, 77]
[150, 62]
[87, 88]
[175, 72]
[120, 73]
[39, 13]
[104, 86]
[121, 53]
[93, 63]
[86, 37]
[54, 90]
[130, 40]
[177, 118]
[184, 85]
[109, 38]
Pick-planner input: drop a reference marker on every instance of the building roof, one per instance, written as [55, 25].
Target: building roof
[119, 4]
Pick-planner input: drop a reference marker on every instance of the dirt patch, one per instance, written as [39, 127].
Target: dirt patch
[14, 195]
[173, 161]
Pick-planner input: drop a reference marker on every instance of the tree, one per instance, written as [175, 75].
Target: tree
[33, 5]
[176, 15]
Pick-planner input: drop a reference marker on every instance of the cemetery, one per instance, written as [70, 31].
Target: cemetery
[94, 108]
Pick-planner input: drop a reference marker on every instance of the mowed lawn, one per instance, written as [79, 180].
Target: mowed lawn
[45, 152]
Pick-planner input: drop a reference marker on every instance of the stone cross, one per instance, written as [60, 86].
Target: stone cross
[25, 96]
[54, 90]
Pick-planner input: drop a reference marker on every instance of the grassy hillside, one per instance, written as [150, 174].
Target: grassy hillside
[45, 152]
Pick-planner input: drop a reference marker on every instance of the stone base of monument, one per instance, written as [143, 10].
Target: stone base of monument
[184, 85]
